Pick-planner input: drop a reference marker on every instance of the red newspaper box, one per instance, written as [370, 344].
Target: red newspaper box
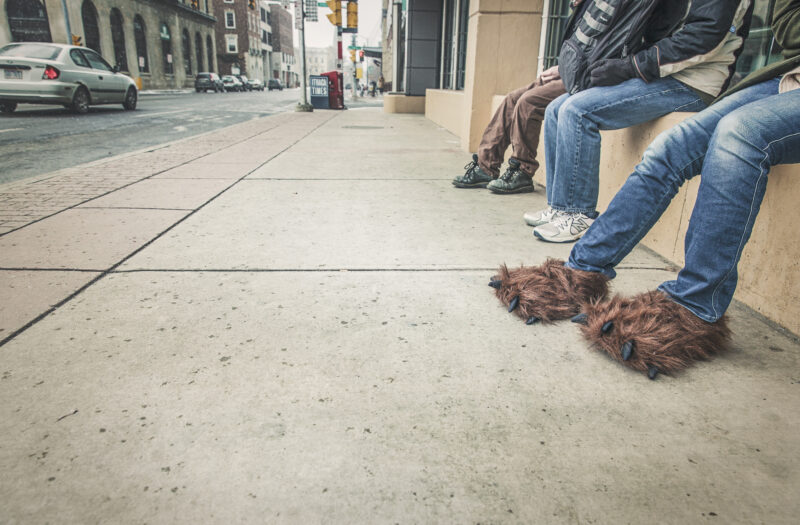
[335, 89]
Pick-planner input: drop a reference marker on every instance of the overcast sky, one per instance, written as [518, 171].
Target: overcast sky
[322, 33]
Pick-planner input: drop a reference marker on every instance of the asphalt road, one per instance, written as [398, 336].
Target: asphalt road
[39, 139]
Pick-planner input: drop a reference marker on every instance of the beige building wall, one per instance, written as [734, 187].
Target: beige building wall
[503, 38]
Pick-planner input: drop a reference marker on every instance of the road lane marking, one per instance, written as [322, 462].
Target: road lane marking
[12, 129]
[163, 113]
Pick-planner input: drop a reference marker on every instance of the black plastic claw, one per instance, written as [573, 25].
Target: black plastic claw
[652, 371]
[580, 318]
[608, 326]
[513, 304]
[627, 350]
[532, 320]
[496, 284]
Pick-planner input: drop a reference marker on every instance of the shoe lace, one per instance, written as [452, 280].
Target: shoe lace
[565, 220]
[509, 174]
[470, 166]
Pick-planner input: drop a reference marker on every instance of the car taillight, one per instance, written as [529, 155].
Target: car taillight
[50, 73]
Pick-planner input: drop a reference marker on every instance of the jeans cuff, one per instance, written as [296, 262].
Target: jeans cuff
[608, 272]
[589, 212]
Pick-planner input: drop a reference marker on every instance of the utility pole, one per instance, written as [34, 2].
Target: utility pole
[355, 65]
[303, 105]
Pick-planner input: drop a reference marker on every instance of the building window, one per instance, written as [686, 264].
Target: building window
[230, 20]
[198, 49]
[28, 21]
[187, 52]
[118, 39]
[263, 15]
[166, 48]
[455, 23]
[555, 23]
[90, 28]
[231, 43]
[141, 44]
[760, 47]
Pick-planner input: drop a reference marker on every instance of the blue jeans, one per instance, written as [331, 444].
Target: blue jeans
[732, 144]
[572, 127]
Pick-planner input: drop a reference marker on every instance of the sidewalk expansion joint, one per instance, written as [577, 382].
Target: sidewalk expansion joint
[299, 270]
[77, 270]
[13, 335]
[132, 208]
[249, 137]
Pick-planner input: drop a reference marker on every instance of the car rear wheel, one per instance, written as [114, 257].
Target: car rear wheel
[8, 107]
[130, 99]
[80, 101]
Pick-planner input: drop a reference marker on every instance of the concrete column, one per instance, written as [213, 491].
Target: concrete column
[502, 51]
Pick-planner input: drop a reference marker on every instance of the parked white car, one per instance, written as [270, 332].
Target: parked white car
[232, 83]
[77, 77]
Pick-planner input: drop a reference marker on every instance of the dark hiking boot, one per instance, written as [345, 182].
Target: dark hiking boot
[474, 177]
[514, 180]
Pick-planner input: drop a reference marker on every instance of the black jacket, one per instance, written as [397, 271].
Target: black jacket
[697, 41]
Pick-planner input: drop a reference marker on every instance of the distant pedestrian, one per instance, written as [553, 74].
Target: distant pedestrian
[381, 83]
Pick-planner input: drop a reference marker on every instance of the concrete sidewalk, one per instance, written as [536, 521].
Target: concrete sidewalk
[287, 321]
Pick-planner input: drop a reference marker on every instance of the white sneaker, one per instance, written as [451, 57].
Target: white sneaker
[540, 217]
[567, 227]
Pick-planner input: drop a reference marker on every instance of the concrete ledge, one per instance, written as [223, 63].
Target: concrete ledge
[400, 103]
[446, 108]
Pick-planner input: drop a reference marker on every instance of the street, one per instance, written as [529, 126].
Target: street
[40, 139]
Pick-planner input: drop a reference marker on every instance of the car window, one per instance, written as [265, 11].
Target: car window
[96, 60]
[78, 58]
[43, 51]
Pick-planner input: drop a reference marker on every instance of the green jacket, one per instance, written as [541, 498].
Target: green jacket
[786, 28]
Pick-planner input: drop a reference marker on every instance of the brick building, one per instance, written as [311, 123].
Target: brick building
[239, 37]
[161, 43]
[284, 64]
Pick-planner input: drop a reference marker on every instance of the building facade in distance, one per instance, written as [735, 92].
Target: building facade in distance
[161, 44]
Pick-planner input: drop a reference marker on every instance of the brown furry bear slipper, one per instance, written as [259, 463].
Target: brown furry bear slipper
[549, 292]
[651, 333]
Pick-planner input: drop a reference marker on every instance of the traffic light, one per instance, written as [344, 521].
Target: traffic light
[251, 3]
[336, 16]
[76, 40]
[352, 14]
[353, 55]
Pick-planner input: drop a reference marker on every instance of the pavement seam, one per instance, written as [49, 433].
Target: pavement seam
[139, 180]
[13, 335]
[298, 270]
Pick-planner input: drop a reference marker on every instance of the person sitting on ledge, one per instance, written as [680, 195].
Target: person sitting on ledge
[732, 145]
[518, 120]
[682, 71]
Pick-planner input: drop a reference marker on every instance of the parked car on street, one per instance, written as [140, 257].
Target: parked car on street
[256, 84]
[274, 83]
[232, 83]
[76, 77]
[206, 81]
[245, 82]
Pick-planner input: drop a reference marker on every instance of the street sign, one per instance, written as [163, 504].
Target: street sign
[319, 91]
